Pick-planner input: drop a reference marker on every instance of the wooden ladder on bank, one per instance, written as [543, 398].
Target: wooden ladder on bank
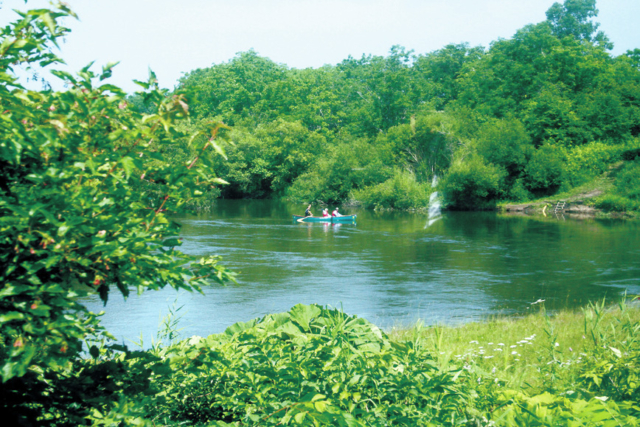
[560, 206]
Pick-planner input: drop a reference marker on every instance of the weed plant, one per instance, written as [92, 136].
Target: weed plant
[316, 366]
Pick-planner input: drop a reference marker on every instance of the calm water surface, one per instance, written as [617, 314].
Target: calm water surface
[390, 268]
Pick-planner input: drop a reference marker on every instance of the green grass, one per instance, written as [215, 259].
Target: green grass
[536, 353]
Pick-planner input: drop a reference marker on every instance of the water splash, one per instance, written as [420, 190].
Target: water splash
[434, 205]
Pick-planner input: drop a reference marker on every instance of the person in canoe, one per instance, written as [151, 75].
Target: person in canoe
[308, 211]
[325, 213]
[336, 213]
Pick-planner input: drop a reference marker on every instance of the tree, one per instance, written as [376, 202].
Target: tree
[436, 74]
[573, 19]
[73, 217]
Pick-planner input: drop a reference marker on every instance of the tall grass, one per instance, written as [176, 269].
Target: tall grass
[536, 353]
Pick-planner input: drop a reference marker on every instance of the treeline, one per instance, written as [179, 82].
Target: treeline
[541, 112]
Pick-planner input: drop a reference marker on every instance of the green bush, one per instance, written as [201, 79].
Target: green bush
[309, 366]
[505, 143]
[318, 366]
[616, 203]
[628, 181]
[401, 191]
[543, 173]
[472, 184]
[585, 162]
[349, 165]
[74, 221]
[518, 192]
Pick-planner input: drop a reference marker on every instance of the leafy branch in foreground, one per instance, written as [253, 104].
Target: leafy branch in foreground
[72, 217]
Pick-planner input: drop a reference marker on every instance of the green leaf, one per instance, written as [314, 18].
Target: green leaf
[303, 314]
[219, 149]
[13, 315]
[318, 397]
[128, 164]
[240, 326]
[49, 22]
[62, 230]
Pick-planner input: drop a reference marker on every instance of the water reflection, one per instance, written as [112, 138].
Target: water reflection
[388, 268]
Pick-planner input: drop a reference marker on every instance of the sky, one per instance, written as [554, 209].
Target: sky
[173, 37]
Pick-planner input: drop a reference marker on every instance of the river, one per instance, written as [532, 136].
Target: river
[392, 268]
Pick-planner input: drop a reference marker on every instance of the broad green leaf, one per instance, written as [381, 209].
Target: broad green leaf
[239, 327]
[303, 314]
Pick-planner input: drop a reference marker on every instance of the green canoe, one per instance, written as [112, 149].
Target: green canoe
[349, 219]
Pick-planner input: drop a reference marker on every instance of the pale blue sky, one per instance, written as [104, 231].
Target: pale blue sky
[175, 36]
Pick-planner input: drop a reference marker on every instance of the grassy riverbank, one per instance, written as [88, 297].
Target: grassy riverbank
[613, 193]
[317, 366]
[536, 353]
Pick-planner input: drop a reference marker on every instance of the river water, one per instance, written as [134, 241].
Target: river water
[392, 268]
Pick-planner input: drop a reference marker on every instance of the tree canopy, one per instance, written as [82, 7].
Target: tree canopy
[553, 83]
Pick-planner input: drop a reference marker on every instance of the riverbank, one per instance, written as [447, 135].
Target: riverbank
[585, 201]
[319, 366]
[521, 350]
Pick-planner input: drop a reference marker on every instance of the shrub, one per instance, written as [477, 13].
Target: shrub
[616, 203]
[309, 366]
[350, 165]
[72, 221]
[401, 191]
[543, 173]
[472, 184]
[585, 162]
[518, 191]
[628, 181]
[505, 143]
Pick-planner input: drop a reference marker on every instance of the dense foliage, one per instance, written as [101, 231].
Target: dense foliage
[541, 112]
[85, 186]
[318, 366]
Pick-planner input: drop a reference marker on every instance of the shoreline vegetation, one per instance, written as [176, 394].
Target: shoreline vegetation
[536, 117]
[319, 366]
